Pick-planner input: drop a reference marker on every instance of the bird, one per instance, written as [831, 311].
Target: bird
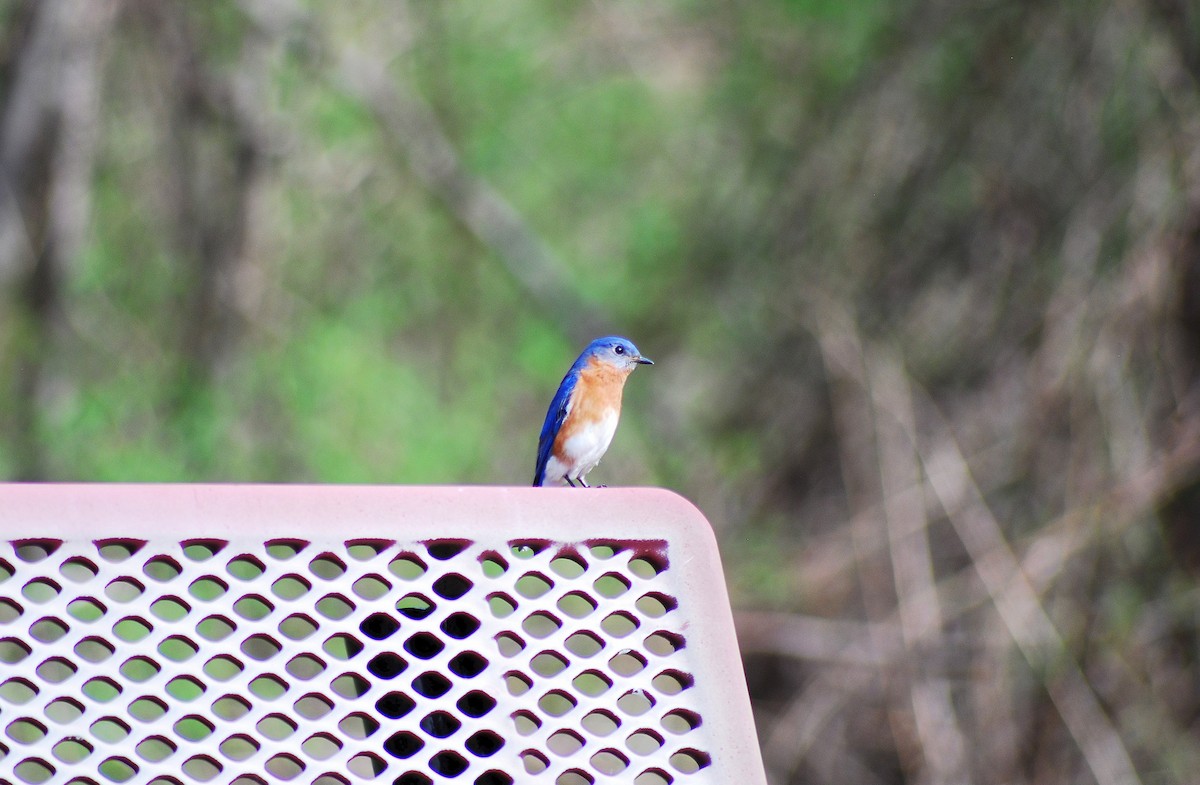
[583, 416]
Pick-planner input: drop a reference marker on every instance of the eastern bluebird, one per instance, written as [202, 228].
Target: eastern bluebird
[583, 415]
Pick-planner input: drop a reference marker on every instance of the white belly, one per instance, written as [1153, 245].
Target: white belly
[583, 450]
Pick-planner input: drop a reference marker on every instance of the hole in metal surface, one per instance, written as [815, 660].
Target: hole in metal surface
[533, 585]
[349, 685]
[431, 684]
[193, 728]
[672, 682]
[139, 669]
[334, 607]
[313, 706]
[238, 747]
[690, 761]
[268, 687]
[284, 549]
[297, 627]
[358, 725]
[366, 549]
[253, 607]
[424, 645]
[13, 651]
[386, 665]
[556, 703]
[468, 664]
[517, 683]
[592, 683]
[600, 722]
[609, 761]
[627, 662]
[260, 647]
[162, 569]
[635, 703]
[276, 727]
[655, 604]
[76, 568]
[63, 710]
[576, 604]
[367, 765]
[170, 609]
[415, 606]
[56, 670]
[452, 586]
[321, 746]
[290, 587]
[619, 624]
[147, 708]
[371, 587]
[440, 724]
[460, 626]
[306, 666]
[584, 643]
[448, 763]
[509, 644]
[118, 769]
[643, 742]
[71, 750]
[611, 585]
[534, 761]
[342, 646]
[215, 628]
[501, 605]
[284, 766]
[680, 721]
[548, 664]
[109, 729]
[568, 565]
[34, 550]
[446, 549]
[476, 704]
[379, 626]
[484, 743]
[564, 743]
[327, 567]
[493, 564]
[663, 643]
[202, 550]
[525, 722]
[541, 624]
[41, 590]
[101, 689]
[394, 705]
[245, 567]
[155, 749]
[208, 588]
[177, 648]
[407, 566]
[48, 630]
[230, 707]
[653, 777]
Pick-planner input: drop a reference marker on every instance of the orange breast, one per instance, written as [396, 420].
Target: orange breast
[597, 396]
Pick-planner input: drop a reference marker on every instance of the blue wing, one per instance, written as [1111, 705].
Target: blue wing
[554, 420]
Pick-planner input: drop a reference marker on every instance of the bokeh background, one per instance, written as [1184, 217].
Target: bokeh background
[921, 277]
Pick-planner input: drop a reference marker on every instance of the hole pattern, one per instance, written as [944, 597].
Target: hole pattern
[345, 661]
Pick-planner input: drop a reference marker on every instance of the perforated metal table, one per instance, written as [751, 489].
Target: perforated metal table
[339, 634]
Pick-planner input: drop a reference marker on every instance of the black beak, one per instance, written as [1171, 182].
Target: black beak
[644, 361]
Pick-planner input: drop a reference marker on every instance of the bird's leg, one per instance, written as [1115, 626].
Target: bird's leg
[583, 483]
[568, 479]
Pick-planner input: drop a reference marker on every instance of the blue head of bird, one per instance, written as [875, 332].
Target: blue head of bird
[615, 351]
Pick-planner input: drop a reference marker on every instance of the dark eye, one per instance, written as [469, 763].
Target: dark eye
[619, 349]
